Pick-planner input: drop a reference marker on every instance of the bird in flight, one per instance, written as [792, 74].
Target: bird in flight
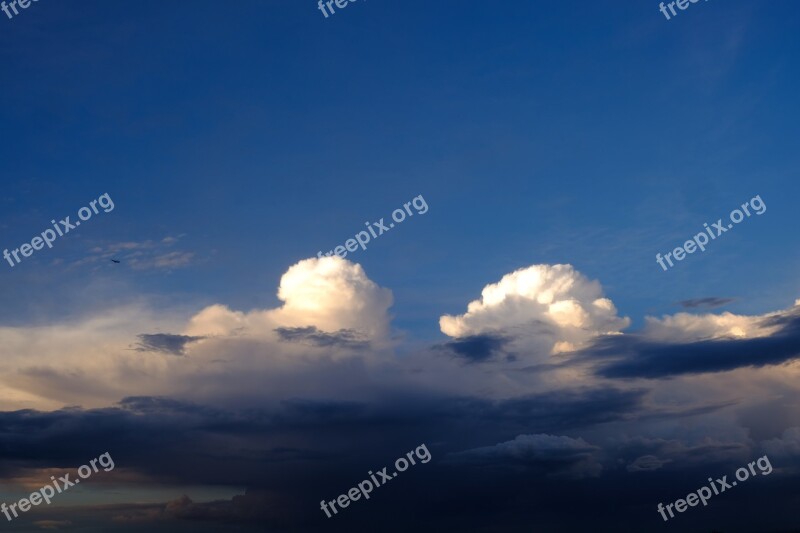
[114, 261]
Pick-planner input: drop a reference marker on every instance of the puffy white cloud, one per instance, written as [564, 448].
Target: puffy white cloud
[553, 307]
[330, 293]
[216, 320]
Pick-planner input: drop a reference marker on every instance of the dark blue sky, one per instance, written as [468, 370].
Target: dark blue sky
[595, 134]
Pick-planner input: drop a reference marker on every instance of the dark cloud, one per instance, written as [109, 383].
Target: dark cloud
[646, 463]
[52, 524]
[567, 409]
[644, 453]
[292, 454]
[709, 303]
[667, 413]
[476, 348]
[164, 343]
[157, 405]
[634, 356]
[551, 455]
[164, 437]
[253, 506]
[345, 338]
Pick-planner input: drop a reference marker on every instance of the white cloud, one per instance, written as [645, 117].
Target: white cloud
[553, 307]
[92, 360]
[329, 293]
[95, 360]
[686, 327]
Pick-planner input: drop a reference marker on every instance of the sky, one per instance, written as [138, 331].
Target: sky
[513, 319]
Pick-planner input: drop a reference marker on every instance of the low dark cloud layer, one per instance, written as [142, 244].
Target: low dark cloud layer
[541, 454]
[634, 356]
[497, 465]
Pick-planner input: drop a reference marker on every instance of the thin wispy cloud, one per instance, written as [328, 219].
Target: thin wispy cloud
[711, 302]
[140, 255]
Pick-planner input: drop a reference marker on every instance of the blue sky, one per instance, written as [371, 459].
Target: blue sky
[238, 139]
[595, 136]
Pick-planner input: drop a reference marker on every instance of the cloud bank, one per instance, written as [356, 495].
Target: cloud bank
[538, 390]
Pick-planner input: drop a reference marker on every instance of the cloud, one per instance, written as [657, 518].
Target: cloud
[728, 342]
[648, 453]
[345, 338]
[166, 261]
[218, 320]
[267, 508]
[557, 455]
[710, 302]
[785, 446]
[476, 348]
[330, 293]
[553, 308]
[311, 393]
[164, 343]
[141, 255]
[304, 430]
[83, 360]
[647, 463]
[686, 327]
[52, 524]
